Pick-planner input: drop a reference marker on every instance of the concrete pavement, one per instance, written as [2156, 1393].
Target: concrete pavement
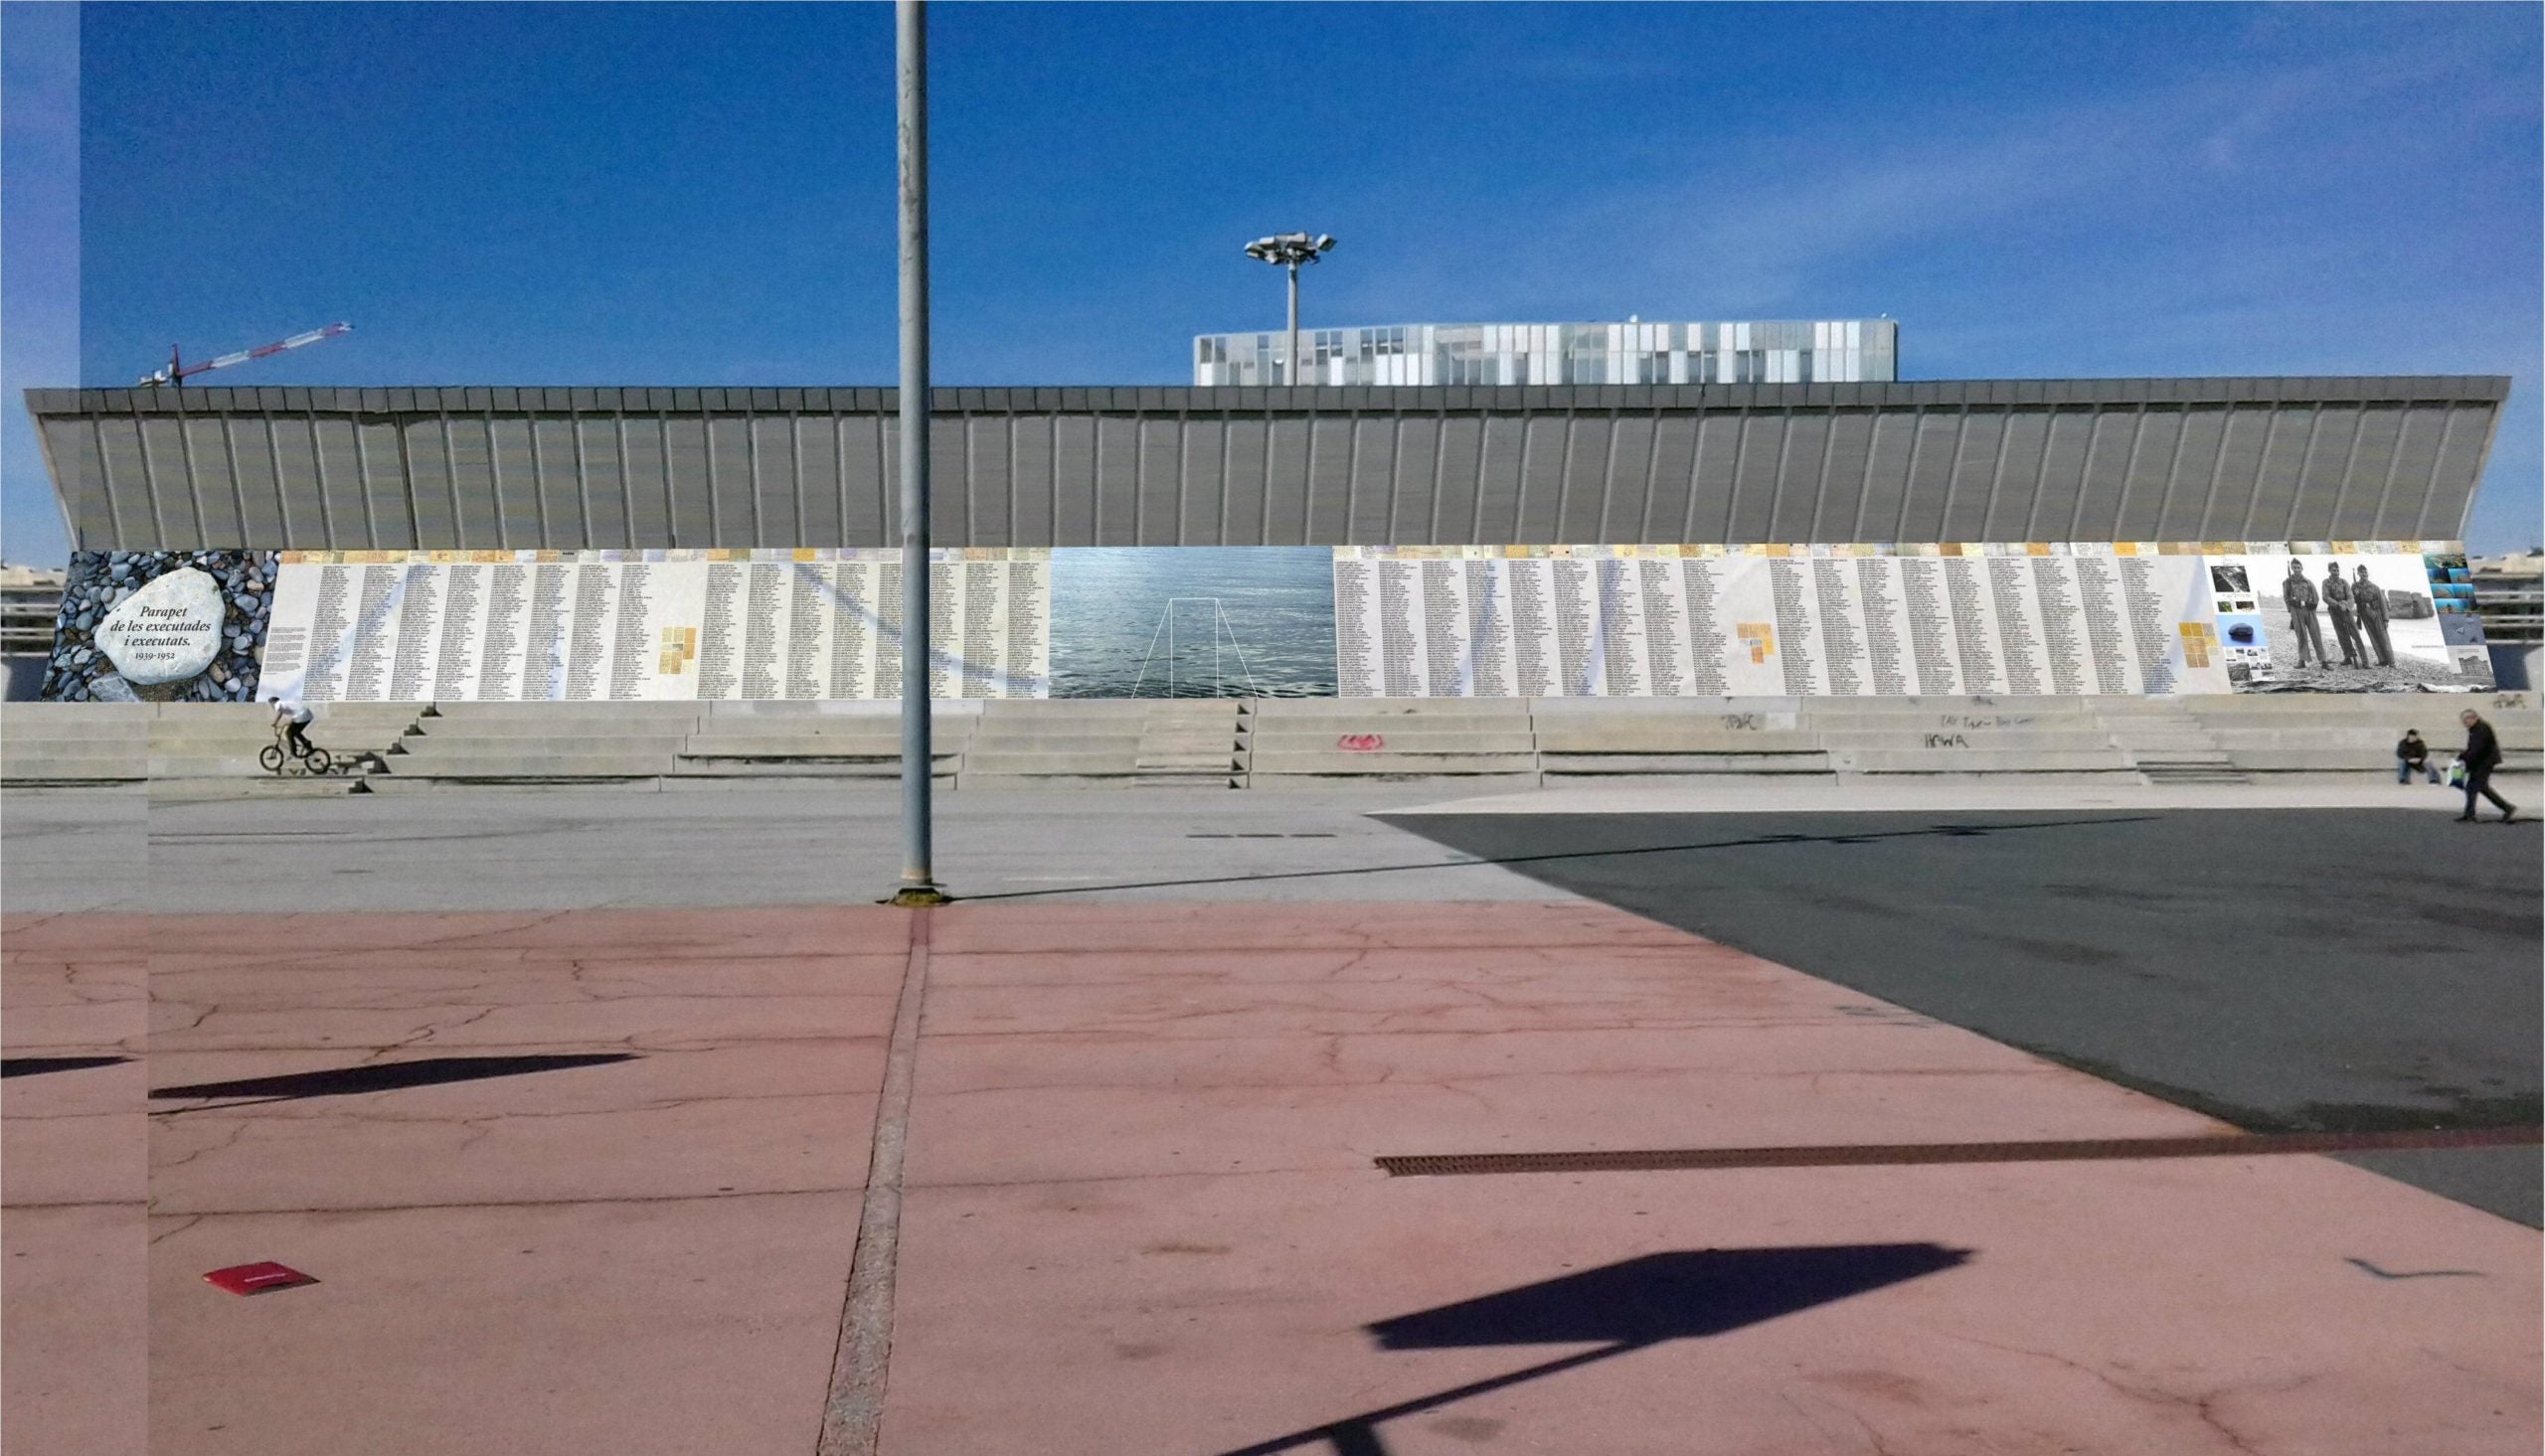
[2309, 969]
[581, 1176]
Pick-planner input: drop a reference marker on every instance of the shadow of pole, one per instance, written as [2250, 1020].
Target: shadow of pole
[1631, 1305]
[1358, 1435]
[1762, 840]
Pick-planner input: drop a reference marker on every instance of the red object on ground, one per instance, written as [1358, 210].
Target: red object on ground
[1361, 743]
[257, 1279]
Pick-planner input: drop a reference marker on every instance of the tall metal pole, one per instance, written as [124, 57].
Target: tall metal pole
[1294, 321]
[918, 879]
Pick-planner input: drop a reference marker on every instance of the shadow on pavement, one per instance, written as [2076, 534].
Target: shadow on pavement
[2283, 971]
[390, 1077]
[37, 1066]
[1759, 840]
[1626, 1306]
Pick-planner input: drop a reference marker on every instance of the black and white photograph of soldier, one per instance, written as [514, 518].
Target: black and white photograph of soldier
[2352, 623]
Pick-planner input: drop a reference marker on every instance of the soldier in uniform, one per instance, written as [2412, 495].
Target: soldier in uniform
[2300, 595]
[2369, 600]
[2345, 627]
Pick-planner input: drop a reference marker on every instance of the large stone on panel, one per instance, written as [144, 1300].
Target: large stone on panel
[166, 632]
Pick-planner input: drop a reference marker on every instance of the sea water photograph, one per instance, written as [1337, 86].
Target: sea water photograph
[1194, 621]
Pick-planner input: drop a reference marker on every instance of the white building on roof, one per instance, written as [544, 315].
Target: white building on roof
[1631, 353]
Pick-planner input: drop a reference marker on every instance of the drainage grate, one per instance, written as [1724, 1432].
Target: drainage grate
[1868, 1155]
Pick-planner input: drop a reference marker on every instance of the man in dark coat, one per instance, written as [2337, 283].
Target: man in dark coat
[2345, 627]
[2300, 594]
[2482, 754]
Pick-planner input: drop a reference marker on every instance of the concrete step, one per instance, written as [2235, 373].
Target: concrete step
[1192, 742]
[2192, 773]
[992, 760]
[1980, 760]
[1394, 739]
[257, 787]
[1465, 780]
[1221, 762]
[1852, 711]
[1052, 742]
[1287, 710]
[44, 775]
[629, 742]
[875, 768]
[1638, 736]
[2293, 759]
[244, 765]
[827, 728]
[809, 751]
[536, 765]
[974, 780]
[446, 733]
[116, 747]
[1362, 766]
[1595, 765]
[2052, 740]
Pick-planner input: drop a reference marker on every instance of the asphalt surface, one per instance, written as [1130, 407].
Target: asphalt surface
[2318, 970]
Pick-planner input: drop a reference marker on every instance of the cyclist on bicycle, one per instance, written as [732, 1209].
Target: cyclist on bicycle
[294, 717]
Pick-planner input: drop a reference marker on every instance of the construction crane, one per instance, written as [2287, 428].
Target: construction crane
[177, 371]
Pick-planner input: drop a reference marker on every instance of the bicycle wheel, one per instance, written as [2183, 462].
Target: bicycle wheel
[318, 761]
[269, 758]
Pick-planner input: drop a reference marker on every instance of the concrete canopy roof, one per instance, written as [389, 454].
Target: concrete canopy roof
[475, 466]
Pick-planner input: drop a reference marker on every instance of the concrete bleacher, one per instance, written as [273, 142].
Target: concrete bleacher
[214, 740]
[2294, 732]
[1301, 740]
[817, 740]
[542, 743]
[1095, 742]
[1273, 743]
[75, 744]
[72, 743]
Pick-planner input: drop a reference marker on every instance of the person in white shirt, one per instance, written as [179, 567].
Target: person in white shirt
[294, 717]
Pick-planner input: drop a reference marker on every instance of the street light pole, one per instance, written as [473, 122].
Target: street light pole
[918, 879]
[1294, 321]
[1290, 249]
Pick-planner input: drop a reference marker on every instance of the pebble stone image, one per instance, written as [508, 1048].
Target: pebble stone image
[115, 642]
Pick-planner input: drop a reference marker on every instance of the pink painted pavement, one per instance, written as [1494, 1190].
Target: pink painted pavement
[1139, 1211]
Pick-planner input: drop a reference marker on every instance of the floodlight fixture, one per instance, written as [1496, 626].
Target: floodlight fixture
[1288, 250]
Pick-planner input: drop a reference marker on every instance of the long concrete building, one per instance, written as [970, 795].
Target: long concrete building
[2129, 459]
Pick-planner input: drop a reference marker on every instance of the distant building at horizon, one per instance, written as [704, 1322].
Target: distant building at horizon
[1759, 352]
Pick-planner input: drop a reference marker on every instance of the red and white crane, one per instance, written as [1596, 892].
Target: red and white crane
[177, 370]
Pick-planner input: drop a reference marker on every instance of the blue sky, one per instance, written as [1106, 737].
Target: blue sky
[679, 193]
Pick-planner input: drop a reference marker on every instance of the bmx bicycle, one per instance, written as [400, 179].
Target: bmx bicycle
[286, 756]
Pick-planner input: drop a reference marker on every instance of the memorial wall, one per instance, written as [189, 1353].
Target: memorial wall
[2013, 619]
[633, 625]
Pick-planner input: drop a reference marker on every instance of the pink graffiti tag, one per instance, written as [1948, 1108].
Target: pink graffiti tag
[1361, 743]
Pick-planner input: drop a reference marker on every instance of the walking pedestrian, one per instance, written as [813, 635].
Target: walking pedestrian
[2482, 754]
